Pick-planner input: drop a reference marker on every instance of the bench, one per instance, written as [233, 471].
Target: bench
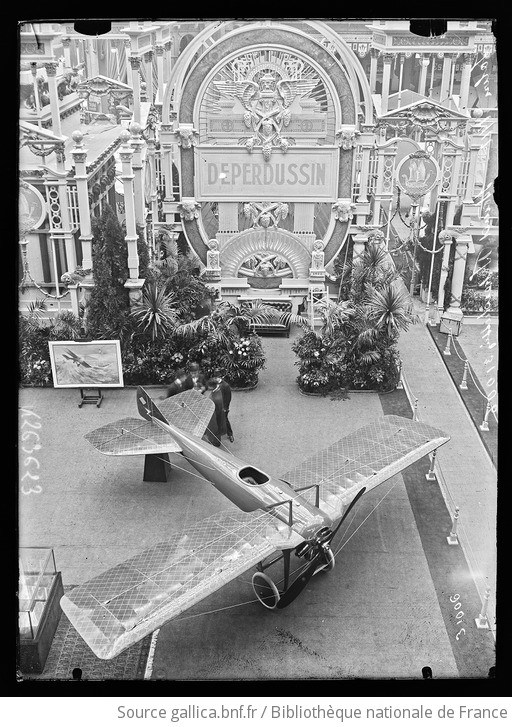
[277, 326]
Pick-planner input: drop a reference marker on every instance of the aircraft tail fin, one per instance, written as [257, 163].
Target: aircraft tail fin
[147, 407]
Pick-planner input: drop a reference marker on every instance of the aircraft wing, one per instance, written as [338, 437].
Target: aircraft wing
[364, 458]
[189, 410]
[126, 603]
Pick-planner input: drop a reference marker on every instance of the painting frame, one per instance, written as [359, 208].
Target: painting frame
[86, 364]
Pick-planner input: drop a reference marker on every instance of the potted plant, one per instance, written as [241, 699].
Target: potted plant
[356, 348]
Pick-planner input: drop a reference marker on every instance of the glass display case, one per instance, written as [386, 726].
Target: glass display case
[40, 590]
[37, 574]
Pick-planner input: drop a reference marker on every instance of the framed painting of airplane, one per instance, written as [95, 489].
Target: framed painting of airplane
[79, 364]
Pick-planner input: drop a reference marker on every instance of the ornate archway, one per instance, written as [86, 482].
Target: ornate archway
[266, 112]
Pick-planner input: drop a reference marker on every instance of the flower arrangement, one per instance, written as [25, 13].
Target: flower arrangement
[242, 360]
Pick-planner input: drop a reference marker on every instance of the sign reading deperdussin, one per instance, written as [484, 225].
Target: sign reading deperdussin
[297, 175]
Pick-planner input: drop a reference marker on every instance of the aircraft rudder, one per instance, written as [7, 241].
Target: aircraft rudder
[146, 406]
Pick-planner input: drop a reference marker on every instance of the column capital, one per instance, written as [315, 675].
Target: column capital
[374, 52]
[66, 42]
[51, 68]
[159, 50]
[347, 137]
[148, 56]
[134, 62]
[388, 57]
[79, 156]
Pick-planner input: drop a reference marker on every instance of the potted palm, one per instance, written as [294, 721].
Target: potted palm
[356, 348]
[226, 339]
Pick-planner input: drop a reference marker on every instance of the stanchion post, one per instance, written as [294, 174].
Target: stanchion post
[447, 351]
[400, 384]
[484, 426]
[431, 475]
[482, 622]
[464, 383]
[453, 538]
[415, 412]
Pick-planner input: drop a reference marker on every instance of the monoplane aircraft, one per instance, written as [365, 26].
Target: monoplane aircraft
[298, 513]
[79, 360]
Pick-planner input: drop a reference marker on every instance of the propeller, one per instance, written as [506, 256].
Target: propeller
[315, 551]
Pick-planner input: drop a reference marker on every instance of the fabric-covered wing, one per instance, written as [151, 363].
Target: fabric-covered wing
[132, 436]
[190, 410]
[364, 458]
[125, 603]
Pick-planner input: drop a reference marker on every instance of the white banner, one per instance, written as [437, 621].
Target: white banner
[293, 176]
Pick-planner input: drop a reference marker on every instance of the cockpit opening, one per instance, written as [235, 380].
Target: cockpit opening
[253, 476]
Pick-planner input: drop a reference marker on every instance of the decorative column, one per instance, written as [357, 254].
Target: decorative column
[65, 224]
[148, 60]
[135, 65]
[452, 78]
[94, 68]
[459, 267]
[33, 70]
[366, 141]
[153, 200]
[445, 238]
[475, 142]
[127, 51]
[167, 140]
[465, 81]
[386, 76]
[160, 50]
[137, 143]
[424, 61]
[134, 284]
[401, 60]
[167, 60]
[445, 78]
[51, 72]
[66, 44]
[79, 154]
[384, 185]
[374, 59]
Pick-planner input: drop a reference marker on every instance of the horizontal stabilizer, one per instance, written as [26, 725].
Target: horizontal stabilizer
[190, 410]
[132, 436]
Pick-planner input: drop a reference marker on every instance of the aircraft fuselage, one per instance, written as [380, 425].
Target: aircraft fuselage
[228, 474]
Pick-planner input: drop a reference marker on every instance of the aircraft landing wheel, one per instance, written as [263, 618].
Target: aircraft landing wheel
[265, 589]
[330, 561]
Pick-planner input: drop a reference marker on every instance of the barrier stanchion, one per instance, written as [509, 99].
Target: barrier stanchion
[415, 412]
[453, 538]
[482, 622]
[431, 475]
[400, 384]
[484, 426]
[447, 351]
[464, 383]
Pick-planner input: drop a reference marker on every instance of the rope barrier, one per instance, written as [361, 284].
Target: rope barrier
[463, 384]
[457, 522]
